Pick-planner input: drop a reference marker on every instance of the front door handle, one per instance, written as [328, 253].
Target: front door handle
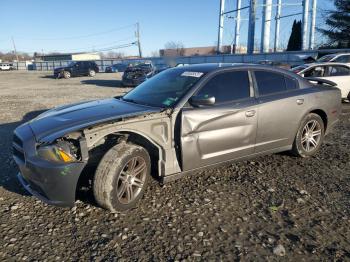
[250, 113]
[300, 101]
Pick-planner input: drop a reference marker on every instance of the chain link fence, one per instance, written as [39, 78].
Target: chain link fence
[290, 58]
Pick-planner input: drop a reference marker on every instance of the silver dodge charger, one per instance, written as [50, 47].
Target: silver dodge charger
[179, 121]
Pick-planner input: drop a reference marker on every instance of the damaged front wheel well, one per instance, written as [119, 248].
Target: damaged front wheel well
[153, 150]
[96, 153]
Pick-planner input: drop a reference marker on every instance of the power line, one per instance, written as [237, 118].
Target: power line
[116, 47]
[81, 36]
[103, 49]
[101, 45]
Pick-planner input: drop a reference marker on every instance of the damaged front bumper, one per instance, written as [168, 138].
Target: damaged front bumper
[53, 183]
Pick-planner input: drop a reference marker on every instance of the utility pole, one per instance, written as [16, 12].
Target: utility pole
[238, 25]
[221, 26]
[305, 24]
[313, 25]
[277, 24]
[138, 38]
[251, 29]
[266, 26]
[14, 48]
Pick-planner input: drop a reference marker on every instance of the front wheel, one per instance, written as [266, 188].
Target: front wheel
[121, 177]
[309, 137]
[92, 73]
[66, 74]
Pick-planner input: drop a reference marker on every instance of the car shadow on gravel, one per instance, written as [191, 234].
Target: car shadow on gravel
[8, 167]
[48, 77]
[103, 83]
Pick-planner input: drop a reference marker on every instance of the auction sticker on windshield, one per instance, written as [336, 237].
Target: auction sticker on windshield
[192, 74]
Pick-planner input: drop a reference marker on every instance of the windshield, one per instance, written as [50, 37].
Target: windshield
[326, 58]
[164, 89]
[298, 69]
[146, 66]
[71, 63]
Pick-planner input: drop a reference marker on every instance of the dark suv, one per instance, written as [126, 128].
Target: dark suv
[80, 68]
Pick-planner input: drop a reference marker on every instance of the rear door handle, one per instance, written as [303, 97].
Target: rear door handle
[300, 101]
[250, 113]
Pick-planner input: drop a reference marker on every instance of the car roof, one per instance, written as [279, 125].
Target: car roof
[326, 64]
[217, 67]
[211, 67]
[338, 54]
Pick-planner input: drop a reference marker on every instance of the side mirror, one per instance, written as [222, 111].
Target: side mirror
[198, 101]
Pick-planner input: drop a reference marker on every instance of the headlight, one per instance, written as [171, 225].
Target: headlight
[55, 153]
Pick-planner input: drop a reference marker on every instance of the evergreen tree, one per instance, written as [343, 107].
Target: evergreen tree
[294, 43]
[338, 22]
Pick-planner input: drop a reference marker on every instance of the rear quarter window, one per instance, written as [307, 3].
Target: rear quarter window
[291, 83]
[271, 83]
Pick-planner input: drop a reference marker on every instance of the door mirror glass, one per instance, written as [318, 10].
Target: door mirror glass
[198, 101]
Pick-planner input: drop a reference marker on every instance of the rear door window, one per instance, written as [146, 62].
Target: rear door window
[227, 86]
[270, 82]
[291, 83]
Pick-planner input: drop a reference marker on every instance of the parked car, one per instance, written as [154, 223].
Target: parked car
[182, 64]
[337, 58]
[335, 72]
[116, 68]
[6, 66]
[136, 74]
[160, 68]
[79, 68]
[274, 63]
[180, 120]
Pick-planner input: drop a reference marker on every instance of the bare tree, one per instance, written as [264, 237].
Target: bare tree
[10, 56]
[155, 53]
[178, 48]
[113, 54]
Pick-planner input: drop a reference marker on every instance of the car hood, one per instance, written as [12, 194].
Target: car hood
[59, 121]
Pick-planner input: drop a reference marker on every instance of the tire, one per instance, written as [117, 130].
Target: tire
[309, 137]
[66, 74]
[115, 186]
[92, 73]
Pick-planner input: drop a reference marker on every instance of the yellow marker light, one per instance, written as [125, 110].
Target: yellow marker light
[63, 155]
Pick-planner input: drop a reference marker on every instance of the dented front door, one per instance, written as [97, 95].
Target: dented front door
[218, 133]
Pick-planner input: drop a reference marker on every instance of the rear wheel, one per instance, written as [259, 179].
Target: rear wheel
[66, 74]
[309, 137]
[92, 73]
[121, 177]
[348, 98]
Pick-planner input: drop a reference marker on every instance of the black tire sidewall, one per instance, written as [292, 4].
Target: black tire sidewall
[66, 74]
[297, 146]
[122, 158]
[91, 73]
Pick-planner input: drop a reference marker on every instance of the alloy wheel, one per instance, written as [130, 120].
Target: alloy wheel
[131, 180]
[311, 135]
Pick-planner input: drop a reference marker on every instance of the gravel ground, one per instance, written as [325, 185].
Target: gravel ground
[270, 208]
